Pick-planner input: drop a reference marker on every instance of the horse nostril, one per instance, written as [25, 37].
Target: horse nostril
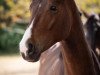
[30, 46]
[30, 49]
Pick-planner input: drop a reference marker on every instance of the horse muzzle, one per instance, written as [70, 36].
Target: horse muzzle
[32, 54]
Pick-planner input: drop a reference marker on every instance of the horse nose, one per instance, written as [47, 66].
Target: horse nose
[31, 49]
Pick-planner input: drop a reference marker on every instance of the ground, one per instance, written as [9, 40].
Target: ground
[15, 65]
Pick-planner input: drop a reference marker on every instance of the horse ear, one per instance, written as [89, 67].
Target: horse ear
[85, 14]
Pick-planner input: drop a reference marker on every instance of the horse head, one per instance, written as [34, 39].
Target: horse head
[50, 23]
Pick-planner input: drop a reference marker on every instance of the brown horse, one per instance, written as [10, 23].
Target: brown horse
[53, 21]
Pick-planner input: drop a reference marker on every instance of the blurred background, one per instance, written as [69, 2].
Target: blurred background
[14, 18]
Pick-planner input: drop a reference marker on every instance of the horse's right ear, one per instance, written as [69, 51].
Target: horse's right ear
[85, 14]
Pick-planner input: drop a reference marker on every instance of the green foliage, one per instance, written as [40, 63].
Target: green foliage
[14, 15]
[9, 39]
[13, 11]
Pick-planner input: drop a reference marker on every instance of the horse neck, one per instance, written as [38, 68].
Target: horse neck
[76, 54]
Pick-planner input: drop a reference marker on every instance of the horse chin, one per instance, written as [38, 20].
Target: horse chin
[32, 57]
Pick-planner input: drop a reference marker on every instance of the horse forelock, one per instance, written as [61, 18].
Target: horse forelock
[34, 5]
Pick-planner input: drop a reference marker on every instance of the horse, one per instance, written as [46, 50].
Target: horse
[92, 31]
[51, 59]
[58, 21]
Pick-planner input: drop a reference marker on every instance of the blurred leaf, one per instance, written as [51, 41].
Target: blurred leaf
[89, 5]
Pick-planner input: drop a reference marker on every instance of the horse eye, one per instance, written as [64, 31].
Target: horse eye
[53, 8]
